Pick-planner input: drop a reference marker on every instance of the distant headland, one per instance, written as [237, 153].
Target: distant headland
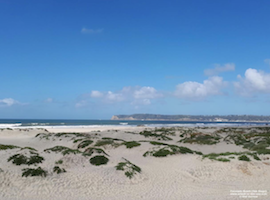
[214, 118]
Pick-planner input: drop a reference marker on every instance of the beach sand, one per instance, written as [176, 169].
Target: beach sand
[178, 176]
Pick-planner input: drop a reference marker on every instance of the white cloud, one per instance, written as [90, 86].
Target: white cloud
[146, 93]
[91, 31]
[96, 94]
[254, 82]
[267, 61]
[8, 102]
[133, 95]
[198, 91]
[219, 69]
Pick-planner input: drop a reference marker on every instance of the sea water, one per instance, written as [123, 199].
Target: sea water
[65, 123]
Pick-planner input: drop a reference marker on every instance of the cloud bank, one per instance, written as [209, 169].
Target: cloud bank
[198, 91]
[254, 82]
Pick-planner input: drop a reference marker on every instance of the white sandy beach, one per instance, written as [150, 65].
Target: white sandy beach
[179, 176]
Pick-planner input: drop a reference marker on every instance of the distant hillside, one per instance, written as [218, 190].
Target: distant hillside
[231, 118]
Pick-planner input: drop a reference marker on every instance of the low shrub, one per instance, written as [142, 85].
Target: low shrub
[243, 158]
[107, 142]
[146, 133]
[63, 150]
[59, 162]
[34, 172]
[58, 170]
[19, 159]
[99, 160]
[170, 150]
[131, 144]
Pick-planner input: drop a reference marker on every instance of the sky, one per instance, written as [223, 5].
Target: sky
[91, 59]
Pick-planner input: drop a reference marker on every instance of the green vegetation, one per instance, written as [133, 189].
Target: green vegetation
[116, 139]
[58, 170]
[161, 136]
[63, 150]
[131, 144]
[85, 143]
[129, 168]
[244, 158]
[78, 140]
[241, 156]
[170, 150]
[89, 151]
[99, 160]
[157, 143]
[5, 147]
[200, 138]
[107, 142]
[72, 136]
[165, 131]
[29, 148]
[34, 172]
[59, 162]
[19, 159]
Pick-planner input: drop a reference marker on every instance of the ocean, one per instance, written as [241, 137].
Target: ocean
[61, 123]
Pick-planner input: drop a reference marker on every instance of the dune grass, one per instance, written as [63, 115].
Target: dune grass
[129, 168]
[85, 143]
[6, 147]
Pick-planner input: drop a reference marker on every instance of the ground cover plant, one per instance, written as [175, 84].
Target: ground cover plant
[170, 150]
[131, 144]
[85, 143]
[200, 138]
[71, 136]
[104, 142]
[147, 133]
[34, 172]
[20, 159]
[59, 162]
[63, 150]
[225, 157]
[89, 151]
[99, 160]
[59, 170]
[6, 147]
[129, 168]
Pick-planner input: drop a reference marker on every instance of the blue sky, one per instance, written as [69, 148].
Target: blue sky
[92, 59]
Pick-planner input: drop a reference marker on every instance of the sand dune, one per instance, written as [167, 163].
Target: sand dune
[177, 176]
